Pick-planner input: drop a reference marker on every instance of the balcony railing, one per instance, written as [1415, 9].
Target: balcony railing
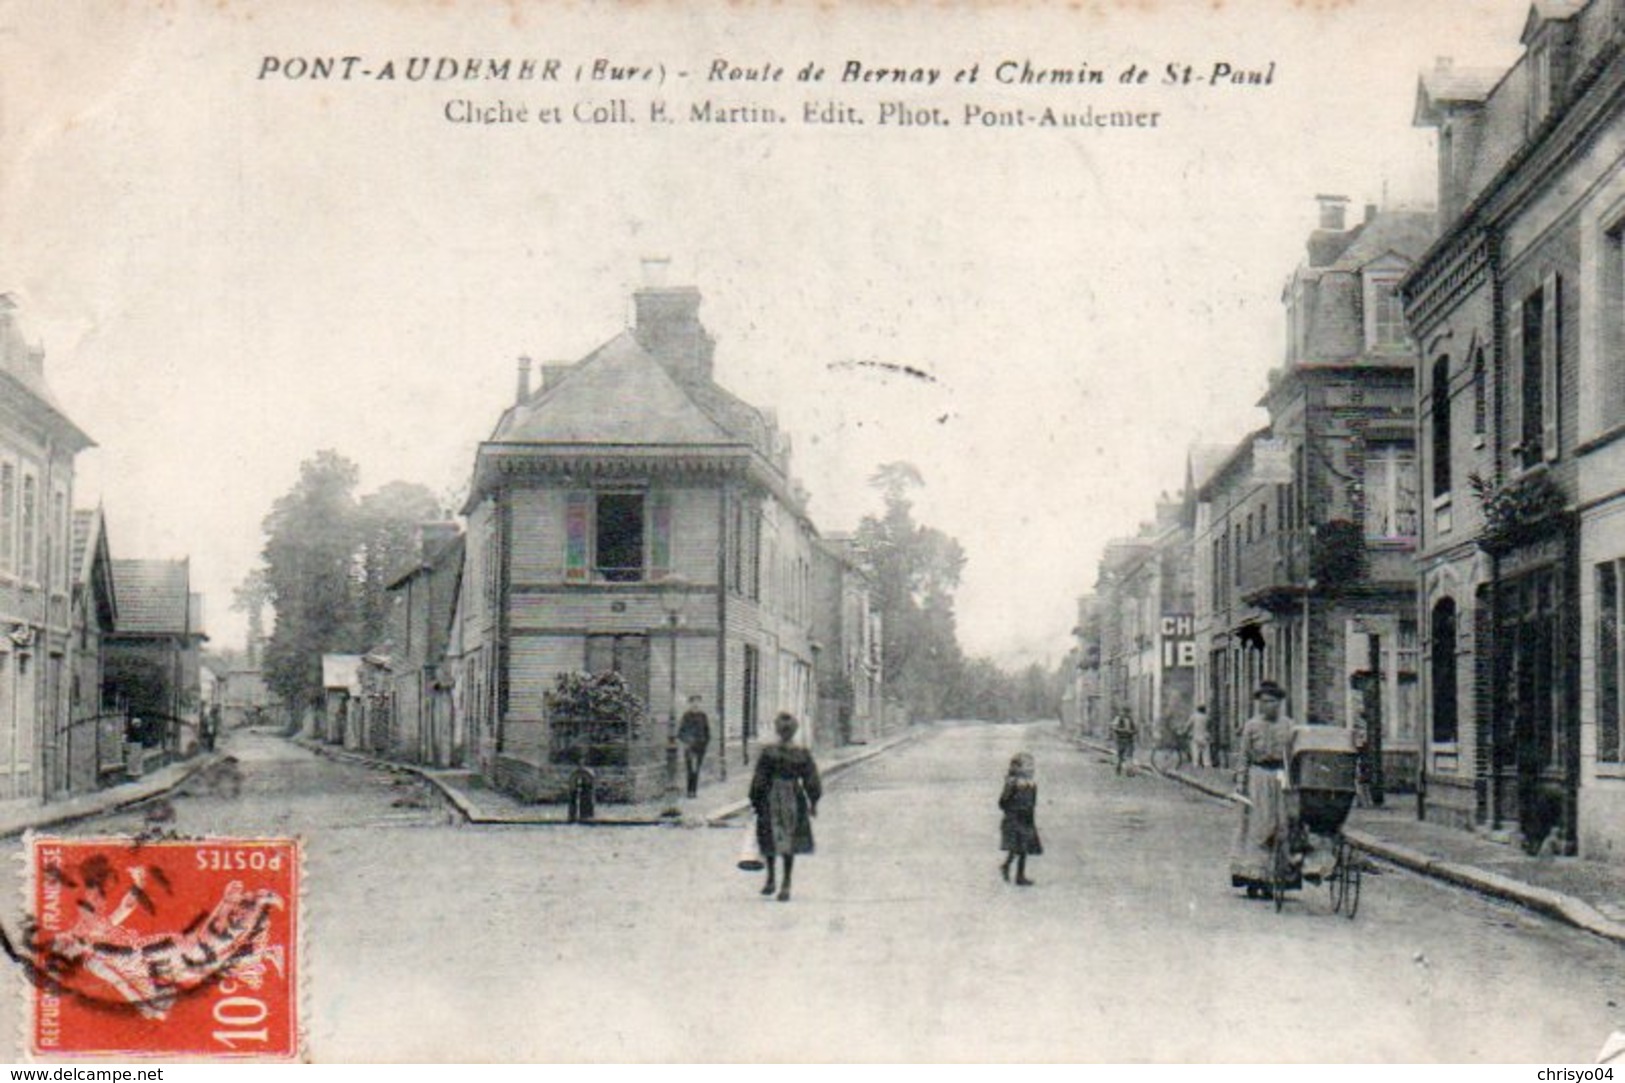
[1274, 569]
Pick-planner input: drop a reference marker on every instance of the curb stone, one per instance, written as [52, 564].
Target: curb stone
[1554, 904]
[471, 813]
[718, 816]
[115, 801]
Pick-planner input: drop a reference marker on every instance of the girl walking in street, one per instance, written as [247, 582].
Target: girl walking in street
[1020, 829]
[784, 792]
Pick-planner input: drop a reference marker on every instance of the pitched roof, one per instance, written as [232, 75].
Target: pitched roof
[153, 597]
[24, 365]
[1455, 86]
[1542, 12]
[1204, 461]
[619, 394]
[1404, 233]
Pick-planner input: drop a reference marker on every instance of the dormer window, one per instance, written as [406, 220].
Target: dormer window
[1546, 37]
[1384, 313]
[1540, 83]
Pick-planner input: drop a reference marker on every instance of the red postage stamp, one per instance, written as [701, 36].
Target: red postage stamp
[167, 948]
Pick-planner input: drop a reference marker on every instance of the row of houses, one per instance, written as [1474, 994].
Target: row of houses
[99, 657]
[627, 515]
[1427, 538]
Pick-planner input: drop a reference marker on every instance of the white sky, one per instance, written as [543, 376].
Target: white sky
[229, 274]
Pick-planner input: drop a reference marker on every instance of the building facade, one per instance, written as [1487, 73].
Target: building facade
[1305, 533]
[424, 728]
[634, 516]
[1521, 401]
[93, 741]
[153, 659]
[38, 443]
[846, 631]
[1134, 636]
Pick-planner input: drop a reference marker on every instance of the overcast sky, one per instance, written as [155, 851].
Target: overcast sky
[230, 273]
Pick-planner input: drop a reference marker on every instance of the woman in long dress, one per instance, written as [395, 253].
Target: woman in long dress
[784, 792]
[1265, 744]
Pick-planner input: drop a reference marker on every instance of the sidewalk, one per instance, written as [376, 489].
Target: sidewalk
[1589, 895]
[717, 801]
[17, 817]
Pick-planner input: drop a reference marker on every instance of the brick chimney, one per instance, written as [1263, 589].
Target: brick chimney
[668, 326]
[1332, 238]
[522, 392]
[1332, 211]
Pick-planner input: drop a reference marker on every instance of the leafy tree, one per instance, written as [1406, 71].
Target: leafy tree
[387, 523]
[251, 597]
[327, 560]
[915, 570]
[310, 546]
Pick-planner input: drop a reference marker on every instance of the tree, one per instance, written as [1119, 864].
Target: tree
[252, 595]
[328, 558]
[310, 545]
[915, 570]
[387, 522]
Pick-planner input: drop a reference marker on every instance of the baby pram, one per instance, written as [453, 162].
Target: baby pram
[1310, 846]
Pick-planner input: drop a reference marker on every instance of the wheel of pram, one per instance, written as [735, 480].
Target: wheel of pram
[1338, 880]
[1281, 871]
[1353, 866]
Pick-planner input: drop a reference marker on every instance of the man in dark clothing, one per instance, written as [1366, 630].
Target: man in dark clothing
[694, 734]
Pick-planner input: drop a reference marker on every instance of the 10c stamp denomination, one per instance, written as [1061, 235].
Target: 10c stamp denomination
[167, 948]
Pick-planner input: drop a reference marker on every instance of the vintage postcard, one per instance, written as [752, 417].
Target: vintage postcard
[689, 531]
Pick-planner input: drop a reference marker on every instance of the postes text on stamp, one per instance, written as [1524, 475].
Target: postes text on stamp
[164, 948]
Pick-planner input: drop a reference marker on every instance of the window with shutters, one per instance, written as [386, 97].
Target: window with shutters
[1533, 350]
[618, 536]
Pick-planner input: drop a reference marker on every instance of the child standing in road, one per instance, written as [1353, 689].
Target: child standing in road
[1020, 830]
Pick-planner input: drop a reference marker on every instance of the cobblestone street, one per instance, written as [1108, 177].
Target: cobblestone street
[430, 939]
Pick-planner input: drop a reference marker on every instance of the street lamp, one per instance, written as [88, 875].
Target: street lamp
[673, 593]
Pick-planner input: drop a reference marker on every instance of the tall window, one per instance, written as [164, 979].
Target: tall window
[1540, 83]
[736, 555]
[1385, 314]
[1611, 365]
[1405, 686]
[617, 537]
[1481, 403]
[8, 517]
[30, 528]
[1608, 662]
[1533, 348]
[1443, 658]
[1390, 492]
[1533, 388]
[59, 524]
[750, 678]
[1441, 427]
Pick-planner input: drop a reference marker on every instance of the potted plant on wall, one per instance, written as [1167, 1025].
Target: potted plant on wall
[593, 719]
[1519, 511]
